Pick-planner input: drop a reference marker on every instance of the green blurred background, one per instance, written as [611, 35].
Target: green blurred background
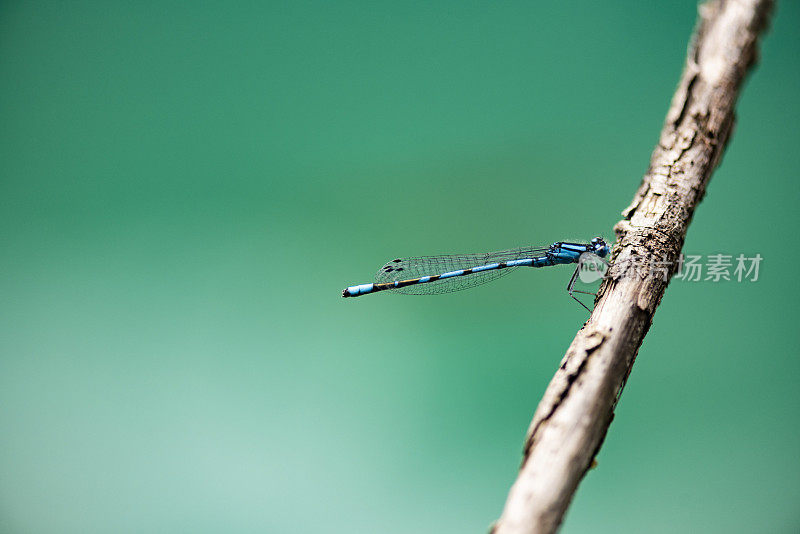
[187, 187]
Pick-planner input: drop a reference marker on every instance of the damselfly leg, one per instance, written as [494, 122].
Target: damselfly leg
[571, 285]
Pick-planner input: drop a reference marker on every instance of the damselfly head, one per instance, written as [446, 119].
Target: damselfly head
[600, 247]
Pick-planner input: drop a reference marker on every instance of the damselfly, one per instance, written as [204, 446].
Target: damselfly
[428, 275]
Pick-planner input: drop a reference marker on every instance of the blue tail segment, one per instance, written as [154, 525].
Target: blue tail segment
[355, 291]
[442, 274]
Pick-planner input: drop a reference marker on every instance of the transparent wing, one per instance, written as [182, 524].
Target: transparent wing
[410, 268]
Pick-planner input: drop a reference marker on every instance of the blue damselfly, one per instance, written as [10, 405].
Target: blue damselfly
[428, 275]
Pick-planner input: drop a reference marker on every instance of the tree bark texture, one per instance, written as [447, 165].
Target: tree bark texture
[572, 418]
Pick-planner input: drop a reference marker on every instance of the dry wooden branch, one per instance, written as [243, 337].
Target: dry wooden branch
[573, 417]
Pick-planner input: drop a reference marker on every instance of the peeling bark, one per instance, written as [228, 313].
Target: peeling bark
[572, 418]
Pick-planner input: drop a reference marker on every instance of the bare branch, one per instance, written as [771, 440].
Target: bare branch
[572, 419]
